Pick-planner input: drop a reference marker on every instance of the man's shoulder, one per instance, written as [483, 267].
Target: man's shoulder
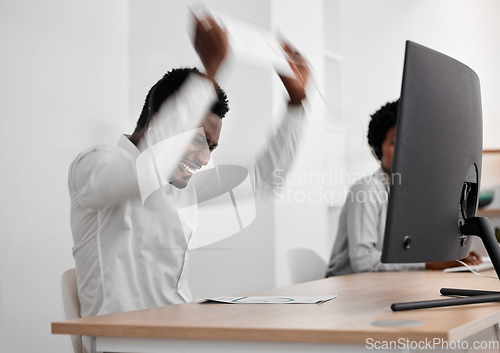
[367, 181]
[97, 150]
[124, 146]
[95, 156]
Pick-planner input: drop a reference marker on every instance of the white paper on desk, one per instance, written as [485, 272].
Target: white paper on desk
[269, 300]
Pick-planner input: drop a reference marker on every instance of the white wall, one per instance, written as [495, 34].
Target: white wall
[301, 216]
[63, 86]
[374, 35]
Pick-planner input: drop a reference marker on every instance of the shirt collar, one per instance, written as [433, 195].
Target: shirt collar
[380, 175]
[127, 145]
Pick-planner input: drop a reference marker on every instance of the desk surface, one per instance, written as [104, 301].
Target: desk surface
[362, 299]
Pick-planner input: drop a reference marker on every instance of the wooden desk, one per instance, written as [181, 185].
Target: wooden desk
[343, 324]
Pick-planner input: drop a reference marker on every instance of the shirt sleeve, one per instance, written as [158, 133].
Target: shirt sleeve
[363, 227]
[273, 163]
[102, 175]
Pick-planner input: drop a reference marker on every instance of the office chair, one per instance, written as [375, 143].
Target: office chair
[305, 265]
[71, 305]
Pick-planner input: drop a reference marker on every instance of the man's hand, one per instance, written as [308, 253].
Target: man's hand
[296, 87]
[472, 259]
[211, 43]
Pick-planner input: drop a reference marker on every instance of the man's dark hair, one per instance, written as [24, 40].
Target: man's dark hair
[169, 84]
[382, 120]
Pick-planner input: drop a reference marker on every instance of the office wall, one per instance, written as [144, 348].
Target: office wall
[374, 35]
[63, 82]
[300, 210]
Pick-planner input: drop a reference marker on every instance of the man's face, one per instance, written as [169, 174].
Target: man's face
[388, 148]
[198, 152]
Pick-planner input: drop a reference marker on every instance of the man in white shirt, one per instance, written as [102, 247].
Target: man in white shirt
[129, 256]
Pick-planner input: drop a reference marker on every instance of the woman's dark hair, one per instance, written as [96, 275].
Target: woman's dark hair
[382, 120]
[169, 84]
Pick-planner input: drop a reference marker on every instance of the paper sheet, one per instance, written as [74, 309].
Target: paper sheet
[248, 42]
[269, 300]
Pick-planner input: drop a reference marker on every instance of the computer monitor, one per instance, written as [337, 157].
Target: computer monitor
[436, 171]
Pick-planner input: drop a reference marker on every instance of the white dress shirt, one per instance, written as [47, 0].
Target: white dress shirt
[130, 257]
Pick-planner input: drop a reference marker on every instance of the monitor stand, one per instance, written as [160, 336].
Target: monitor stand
[478, 226]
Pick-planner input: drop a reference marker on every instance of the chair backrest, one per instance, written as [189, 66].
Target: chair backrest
[305, 265]
[71, 305]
